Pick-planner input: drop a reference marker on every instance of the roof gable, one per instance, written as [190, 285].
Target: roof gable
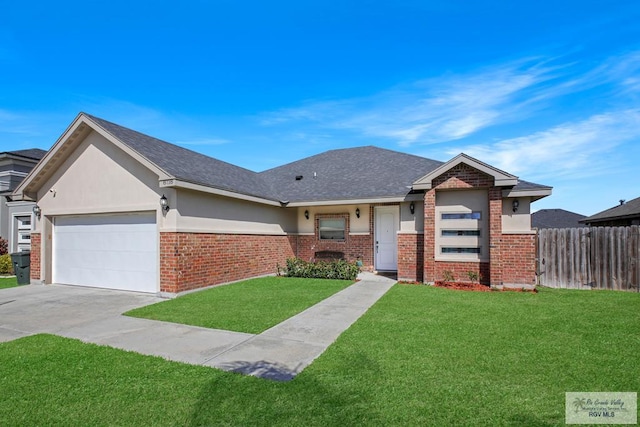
[170, 162]
[501, 178]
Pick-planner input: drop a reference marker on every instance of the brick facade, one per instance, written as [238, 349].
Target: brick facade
[195, 260]
[518, 258]
[512, 256]
[460, 270]
[35, 256]
[354, 247]
[411, 257]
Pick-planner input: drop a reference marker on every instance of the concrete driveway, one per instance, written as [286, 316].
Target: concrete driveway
[95, 316]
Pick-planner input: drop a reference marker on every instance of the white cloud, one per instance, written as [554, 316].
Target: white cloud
[454, 107]
[574, 148]
[427, 111]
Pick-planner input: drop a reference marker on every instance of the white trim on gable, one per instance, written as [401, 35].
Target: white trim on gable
[502, 178]
[176, 183]
[79, 129]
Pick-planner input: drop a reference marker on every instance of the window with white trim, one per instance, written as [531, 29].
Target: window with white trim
[23, 228]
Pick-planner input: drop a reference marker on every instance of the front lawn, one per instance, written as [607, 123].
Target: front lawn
[250, 306]
[420, 356]
[8, 282]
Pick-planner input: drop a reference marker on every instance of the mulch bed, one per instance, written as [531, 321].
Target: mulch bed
[467, 286]
[463, 286]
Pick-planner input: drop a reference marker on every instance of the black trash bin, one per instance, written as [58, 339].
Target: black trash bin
[22, 266]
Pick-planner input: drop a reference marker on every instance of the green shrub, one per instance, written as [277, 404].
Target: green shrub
[4, 246]
[339, 269]
[6, 266]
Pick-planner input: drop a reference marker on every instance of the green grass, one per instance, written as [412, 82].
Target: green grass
[420, 356]
[250, 306]
[8, 282]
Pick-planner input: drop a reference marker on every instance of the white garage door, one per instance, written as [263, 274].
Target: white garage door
[107, 251]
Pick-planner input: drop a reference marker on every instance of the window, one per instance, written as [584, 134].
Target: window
[331, 229]
[462, 215]
[453, 250]
[22, 233]
[457, 233]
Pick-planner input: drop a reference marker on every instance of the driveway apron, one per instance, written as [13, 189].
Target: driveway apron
[95, 316]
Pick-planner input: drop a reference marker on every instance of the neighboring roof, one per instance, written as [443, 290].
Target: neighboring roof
[355, 175]
[627, 210]
[556, 218]
[349, 174]
[30, 153]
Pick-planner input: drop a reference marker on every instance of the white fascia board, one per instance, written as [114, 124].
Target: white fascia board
[536, 194]
[176, 183]
[353, 201]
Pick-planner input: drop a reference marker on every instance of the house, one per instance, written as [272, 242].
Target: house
[626, 213]
[16, 215]
[556, 218]
[124, 210]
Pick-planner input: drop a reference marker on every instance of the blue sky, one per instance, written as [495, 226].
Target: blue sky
[548, 91]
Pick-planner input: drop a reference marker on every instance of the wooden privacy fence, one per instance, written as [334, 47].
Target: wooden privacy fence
[590, 258]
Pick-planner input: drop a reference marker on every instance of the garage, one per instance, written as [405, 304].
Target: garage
[107, 251]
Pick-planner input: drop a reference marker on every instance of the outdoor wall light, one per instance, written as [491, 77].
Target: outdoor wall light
[306, 214]
[516, 205]
[412, 208]
[164, 204]
[358, 212]
[37, 211]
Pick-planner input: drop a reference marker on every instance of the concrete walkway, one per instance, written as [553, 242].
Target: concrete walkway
[94, 315]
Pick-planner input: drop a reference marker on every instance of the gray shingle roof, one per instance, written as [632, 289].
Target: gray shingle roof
[351, 173]
[626, 210]
[556, 218]
[30, 153]
[344, 174]
[188, 165]
[526, 185]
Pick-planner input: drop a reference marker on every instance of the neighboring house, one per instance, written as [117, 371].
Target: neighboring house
[626, 213]
[121, 209]
[16, 215]
[556, 218]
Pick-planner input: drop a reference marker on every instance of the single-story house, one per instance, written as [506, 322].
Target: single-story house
[120, 209]
[625, 214]
[556, 218]
[16, 216]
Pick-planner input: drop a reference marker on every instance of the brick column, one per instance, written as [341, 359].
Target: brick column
[410, 257]
[35, 256]
[429, 236]
[495, 236]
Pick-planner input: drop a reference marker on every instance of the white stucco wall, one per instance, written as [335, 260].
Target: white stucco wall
[200, 212]
[97, 178]
[412, 223]
[516, 222]
[356, 225]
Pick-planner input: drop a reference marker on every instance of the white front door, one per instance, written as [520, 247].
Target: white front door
[107, 251]
[386, 238]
